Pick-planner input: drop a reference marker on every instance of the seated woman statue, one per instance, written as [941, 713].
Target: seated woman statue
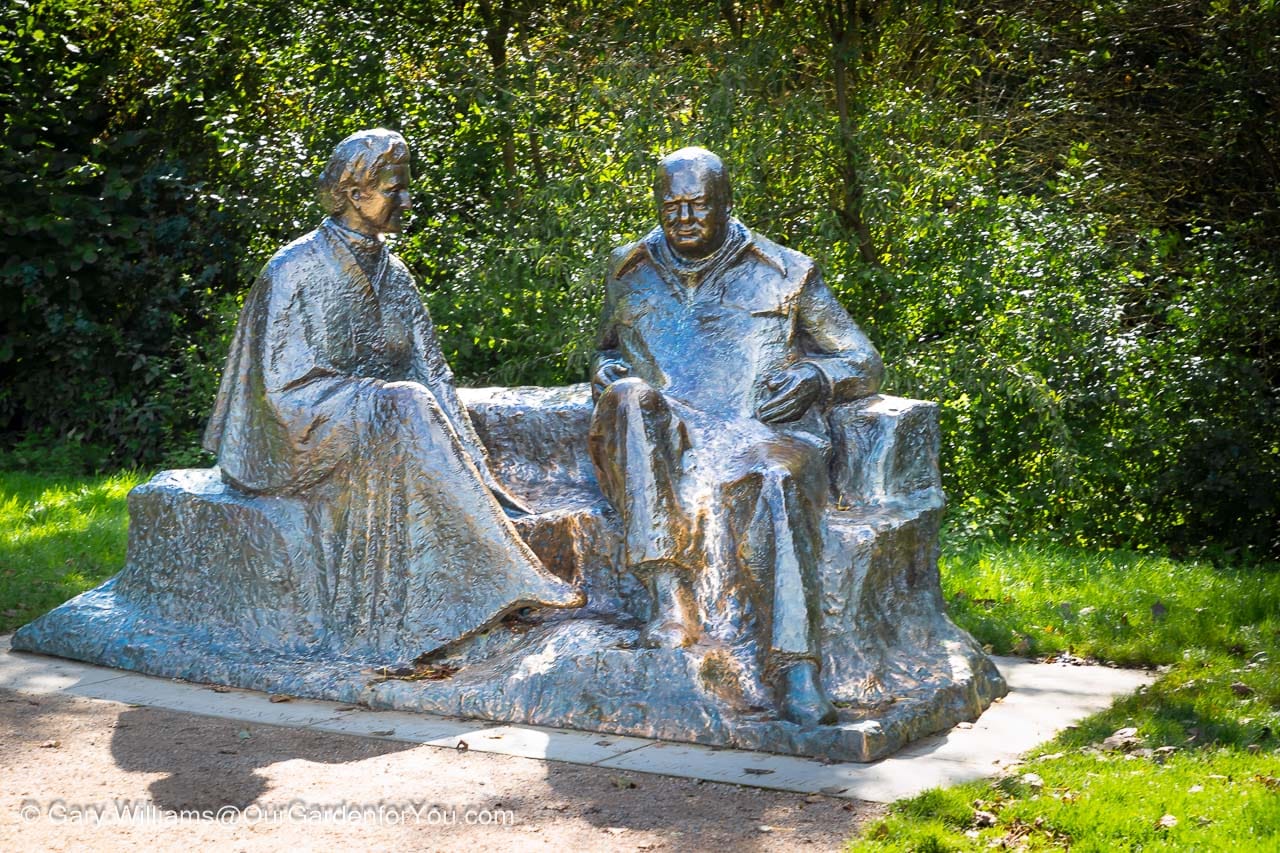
[336, 391]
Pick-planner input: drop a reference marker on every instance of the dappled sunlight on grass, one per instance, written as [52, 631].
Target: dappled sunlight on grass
[1189, 763]
[1123, 606]
[58, 538]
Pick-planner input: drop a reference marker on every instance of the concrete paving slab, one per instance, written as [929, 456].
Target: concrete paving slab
[1043, 699]
[246, 705]
[39, 674]
[883, 781]
[758, 769]
[402, 726]
[552, 744]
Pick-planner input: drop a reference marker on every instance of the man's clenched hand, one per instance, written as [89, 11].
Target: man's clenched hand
[794, 391]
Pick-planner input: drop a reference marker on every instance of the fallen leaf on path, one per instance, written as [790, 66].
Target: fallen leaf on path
[756, 771]
[383, 732]
[220, 688]
[51, 744]
[277, 698]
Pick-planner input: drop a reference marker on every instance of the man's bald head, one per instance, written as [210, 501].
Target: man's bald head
[694, 199]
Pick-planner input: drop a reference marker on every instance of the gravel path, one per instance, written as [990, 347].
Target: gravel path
[71, 770]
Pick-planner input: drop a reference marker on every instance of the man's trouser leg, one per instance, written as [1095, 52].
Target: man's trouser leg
[636, 443]
[773, 519]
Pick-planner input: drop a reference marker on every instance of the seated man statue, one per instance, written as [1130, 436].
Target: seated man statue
[719, 353]
[336, 390]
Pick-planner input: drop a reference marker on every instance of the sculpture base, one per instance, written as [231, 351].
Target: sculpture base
[898, 669]
[226, 608]
[582, 673]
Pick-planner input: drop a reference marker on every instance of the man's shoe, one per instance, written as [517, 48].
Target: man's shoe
[803, 701]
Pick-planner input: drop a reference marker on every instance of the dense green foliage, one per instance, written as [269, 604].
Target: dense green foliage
[1061, 225]
[1206, 733]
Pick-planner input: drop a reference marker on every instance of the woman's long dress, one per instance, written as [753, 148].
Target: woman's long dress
[336, 391]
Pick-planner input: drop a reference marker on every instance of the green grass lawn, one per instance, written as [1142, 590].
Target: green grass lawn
[59, 536]
[1200, 771]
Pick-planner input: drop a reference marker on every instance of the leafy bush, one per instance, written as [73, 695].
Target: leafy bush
[1063, 228]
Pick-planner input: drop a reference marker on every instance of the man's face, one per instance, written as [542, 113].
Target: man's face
[693, 213]
[380, 204]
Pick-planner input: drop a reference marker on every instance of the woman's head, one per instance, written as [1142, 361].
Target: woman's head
[366, 179]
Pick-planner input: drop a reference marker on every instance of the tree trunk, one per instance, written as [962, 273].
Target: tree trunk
[850, 209]
[849, 24]
[497, 27]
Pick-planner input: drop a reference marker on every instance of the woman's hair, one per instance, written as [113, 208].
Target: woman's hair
[356, 163]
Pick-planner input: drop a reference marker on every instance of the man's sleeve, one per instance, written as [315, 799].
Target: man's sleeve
[607, 337]
[834, 345]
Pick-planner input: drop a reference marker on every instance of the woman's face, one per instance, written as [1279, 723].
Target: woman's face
[379, 205]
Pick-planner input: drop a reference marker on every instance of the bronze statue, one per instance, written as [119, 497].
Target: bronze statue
[357, 523]
[336, 389]
[719, 353]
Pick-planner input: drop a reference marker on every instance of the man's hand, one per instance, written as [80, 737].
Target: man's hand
[607, 373]
[794, 391]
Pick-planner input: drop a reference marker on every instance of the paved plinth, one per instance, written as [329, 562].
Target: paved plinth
[1043, 699]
